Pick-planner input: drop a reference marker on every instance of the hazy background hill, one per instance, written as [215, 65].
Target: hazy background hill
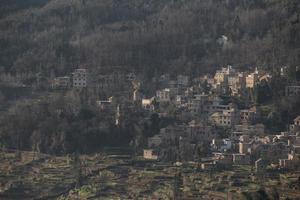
[150, 36]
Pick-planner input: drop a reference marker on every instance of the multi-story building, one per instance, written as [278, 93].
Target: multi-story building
[251, 80]
[80, 78]
[163, 95]
[237, 83]
[223, 74]
[248, 116]
[226, 118]
[197, 105]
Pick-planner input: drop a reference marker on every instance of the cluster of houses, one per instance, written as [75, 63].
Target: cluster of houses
[202, 116]
[83, 78]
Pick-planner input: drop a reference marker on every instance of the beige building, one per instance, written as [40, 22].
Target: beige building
[227, 118]
[244, 147]
[237, 84]
[223, 74]
[247, 116]
[251, 80]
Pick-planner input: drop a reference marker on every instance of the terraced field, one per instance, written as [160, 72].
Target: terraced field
[116, 175]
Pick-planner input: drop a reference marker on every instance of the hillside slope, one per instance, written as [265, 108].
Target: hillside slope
[149, 36]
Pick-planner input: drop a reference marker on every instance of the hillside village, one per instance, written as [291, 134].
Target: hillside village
[160, 100]
[200, 116]
[213, 124]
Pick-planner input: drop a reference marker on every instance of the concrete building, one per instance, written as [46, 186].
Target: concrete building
[247, 116]
[223, 74]
[163, 95]
[251, 80]
[147, 104]
[226, 118]
[182, 81]
[80, 78]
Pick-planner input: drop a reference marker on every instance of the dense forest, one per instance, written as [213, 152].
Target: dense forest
[147, 36]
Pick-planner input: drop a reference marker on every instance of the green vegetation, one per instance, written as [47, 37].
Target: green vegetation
[149, 36]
